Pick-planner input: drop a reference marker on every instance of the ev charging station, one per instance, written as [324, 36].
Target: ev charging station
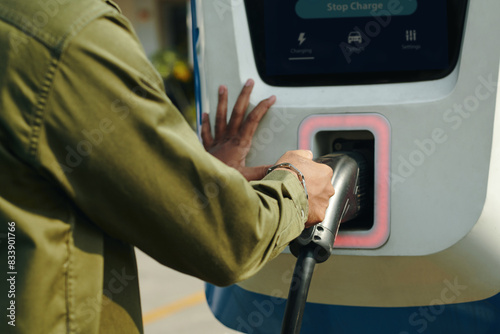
[412, 86]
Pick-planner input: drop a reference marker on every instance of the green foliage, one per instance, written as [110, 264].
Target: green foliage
[177, 76]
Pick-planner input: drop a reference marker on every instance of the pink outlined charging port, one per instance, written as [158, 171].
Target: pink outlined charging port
[369, 135]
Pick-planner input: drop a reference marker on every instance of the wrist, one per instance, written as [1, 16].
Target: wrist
[290, 168]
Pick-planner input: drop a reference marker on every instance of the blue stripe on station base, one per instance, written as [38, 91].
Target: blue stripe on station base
[254, 313]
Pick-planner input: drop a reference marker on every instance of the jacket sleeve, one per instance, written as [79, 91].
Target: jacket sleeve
[120, 150]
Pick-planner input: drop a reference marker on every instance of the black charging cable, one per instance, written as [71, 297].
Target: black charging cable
[299, 289]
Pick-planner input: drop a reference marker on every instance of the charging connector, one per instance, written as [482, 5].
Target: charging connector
[349, 174]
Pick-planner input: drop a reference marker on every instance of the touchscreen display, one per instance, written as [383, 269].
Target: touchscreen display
[351, 41]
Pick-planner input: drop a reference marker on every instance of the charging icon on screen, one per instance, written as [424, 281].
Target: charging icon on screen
[302, 38]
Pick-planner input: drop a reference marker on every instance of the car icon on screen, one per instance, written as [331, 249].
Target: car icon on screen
[354, 37]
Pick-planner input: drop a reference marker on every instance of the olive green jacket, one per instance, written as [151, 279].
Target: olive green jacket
[95, 160]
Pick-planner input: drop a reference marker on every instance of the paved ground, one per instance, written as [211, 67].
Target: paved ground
[173, 302]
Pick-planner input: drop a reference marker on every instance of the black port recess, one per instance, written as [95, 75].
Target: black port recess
[362, 142]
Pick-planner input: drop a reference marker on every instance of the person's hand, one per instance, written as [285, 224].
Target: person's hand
[233, 140]
[318, 182]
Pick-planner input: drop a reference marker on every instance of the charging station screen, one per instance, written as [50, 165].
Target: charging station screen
[350, 41]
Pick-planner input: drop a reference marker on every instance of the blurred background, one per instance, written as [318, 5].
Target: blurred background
[171, 302]
[162, 27]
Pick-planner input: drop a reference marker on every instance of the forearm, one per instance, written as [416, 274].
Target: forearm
[182, 206]
[131, 164]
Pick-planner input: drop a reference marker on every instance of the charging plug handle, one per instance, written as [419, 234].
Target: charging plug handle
[348, 182]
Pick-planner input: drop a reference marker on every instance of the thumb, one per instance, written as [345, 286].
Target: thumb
[255, 173]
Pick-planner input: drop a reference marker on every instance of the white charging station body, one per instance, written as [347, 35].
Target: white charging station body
[436, 230]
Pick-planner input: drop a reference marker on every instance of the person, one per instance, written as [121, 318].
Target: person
[95, 160]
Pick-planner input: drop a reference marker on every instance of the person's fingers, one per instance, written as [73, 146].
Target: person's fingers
[253, 119]
[255, 173]
[240, 107]
[206, 133]
[330, 190]
[221, 116]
